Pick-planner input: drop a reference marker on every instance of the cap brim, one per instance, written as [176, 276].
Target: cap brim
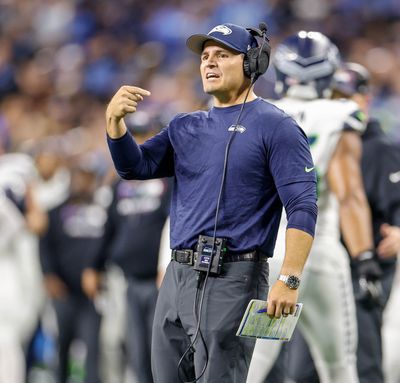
[196, 43]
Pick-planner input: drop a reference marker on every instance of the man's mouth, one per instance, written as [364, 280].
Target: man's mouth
[210, 76]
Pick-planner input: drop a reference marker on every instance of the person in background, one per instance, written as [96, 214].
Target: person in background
[70, 244]
[136, 217]
[380, 163]
[21, 295]
[381, 174]
[305, 64]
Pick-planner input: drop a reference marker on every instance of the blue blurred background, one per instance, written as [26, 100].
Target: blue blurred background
[60, 61]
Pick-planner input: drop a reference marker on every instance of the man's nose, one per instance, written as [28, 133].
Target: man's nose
[211, 62]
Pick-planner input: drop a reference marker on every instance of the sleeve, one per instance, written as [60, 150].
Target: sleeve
[153, 159]
[355, 121]
[11, 221]
[110, 227]
[289, 155]
[300, 202]
[294, 174]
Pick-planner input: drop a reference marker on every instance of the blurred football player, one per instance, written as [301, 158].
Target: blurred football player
[305, 64]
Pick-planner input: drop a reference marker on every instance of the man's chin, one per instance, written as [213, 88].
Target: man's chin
[210, 90]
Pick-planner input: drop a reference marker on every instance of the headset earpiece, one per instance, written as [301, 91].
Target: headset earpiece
[256, 60]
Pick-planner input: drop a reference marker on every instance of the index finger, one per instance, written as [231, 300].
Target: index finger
[137, 90]
[271, 309]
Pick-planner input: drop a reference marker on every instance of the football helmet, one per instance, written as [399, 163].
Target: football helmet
[305, 64]
[351, 78]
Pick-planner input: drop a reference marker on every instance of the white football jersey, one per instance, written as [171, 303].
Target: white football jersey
[323, 121]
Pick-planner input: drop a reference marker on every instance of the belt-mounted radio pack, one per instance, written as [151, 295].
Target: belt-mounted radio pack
[204, 254]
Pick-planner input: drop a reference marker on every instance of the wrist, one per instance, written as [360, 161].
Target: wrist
[365, 255]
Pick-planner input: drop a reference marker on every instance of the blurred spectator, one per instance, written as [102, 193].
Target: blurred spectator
[70, 244]
[60, 52]
[380, 165]
[21, 295]
[136, 217]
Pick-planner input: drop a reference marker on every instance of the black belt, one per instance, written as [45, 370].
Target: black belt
[188, 257]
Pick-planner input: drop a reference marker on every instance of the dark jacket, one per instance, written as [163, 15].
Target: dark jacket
[136, 218]
[381, 174]
[72, 242]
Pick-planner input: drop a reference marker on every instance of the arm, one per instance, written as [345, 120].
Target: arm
[344, 178]
[299, 200]
[124, 101]
[92, 275]
[153, 159]
[36, 218]
[282, 299]
[55, 287]
[297, 190]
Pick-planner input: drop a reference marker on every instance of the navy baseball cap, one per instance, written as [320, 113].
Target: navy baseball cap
[231, 36]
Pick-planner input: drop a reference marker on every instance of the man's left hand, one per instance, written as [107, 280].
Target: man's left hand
[281, 300]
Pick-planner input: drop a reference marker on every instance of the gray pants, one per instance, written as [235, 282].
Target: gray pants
[225, 300]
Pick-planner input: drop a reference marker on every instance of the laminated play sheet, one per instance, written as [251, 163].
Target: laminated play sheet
[257, 324]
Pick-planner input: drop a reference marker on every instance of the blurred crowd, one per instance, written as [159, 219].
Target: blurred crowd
[61, 61]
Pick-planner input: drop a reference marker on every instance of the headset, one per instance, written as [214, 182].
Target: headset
[256, 60]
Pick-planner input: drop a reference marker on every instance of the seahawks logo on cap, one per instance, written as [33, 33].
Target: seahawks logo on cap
[221, 29]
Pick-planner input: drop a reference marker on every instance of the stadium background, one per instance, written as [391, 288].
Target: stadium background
[61, 60]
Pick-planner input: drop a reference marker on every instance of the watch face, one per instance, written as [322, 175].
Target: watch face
[293, 282]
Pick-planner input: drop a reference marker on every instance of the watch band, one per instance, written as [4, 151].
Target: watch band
[283, 278]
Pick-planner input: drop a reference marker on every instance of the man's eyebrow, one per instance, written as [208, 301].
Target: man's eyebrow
[217, 51]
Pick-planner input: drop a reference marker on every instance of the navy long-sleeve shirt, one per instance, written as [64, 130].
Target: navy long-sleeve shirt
[268, 165]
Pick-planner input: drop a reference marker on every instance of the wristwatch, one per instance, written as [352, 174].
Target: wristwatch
[290, 281]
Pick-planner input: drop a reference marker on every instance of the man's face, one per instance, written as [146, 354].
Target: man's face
[221, 70]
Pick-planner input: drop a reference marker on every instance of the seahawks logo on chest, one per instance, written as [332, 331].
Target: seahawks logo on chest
[237, 128]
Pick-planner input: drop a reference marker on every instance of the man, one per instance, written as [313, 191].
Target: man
[72, 241]
[305, 64]
[380, 163]
[234, 167]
